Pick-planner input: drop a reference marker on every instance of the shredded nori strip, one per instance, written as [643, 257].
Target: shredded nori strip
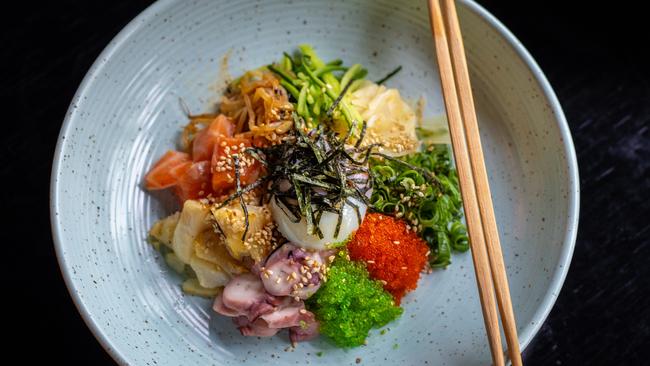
[390, 75]
[338, 99]
[316, 173]
[362, 134]
[235, 158]
[240, 192]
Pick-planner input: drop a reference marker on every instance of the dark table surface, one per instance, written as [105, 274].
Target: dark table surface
[594, 56]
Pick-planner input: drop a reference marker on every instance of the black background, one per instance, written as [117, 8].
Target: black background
[594, 56]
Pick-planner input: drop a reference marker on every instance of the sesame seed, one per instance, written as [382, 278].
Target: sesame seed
[303, 311]
[371, 262]
[395, 241]
[404, 268]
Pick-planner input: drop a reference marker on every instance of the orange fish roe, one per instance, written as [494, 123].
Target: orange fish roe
[394, 255]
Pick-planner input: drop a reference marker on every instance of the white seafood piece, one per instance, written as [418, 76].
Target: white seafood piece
[243, 292]
[257, 328]
[286, 315]
[296, 232]
[258, 313]
[284, 273]
[305, 331]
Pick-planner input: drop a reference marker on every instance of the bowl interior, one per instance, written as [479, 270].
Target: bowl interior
[127, 113]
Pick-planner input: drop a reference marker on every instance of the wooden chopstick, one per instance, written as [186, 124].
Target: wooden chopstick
[464, 90]
[468, 153]
[466, 180]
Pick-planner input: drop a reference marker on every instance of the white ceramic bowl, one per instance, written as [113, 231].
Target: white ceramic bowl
[126, 113]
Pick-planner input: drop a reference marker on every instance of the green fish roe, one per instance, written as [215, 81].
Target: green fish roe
[349, 304]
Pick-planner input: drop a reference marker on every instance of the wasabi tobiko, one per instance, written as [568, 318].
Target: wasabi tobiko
[349, 304]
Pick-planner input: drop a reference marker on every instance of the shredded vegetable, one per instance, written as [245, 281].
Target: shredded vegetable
[259, 105]
[422, 188]
[319, 88]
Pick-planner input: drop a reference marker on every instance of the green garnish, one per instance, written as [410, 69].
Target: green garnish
[317, 87]
[349, 304]
[422, 188]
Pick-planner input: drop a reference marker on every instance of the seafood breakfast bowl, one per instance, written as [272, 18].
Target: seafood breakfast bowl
[181, 60]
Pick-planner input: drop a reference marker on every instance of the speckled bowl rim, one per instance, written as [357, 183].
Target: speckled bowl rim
[573, 195]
